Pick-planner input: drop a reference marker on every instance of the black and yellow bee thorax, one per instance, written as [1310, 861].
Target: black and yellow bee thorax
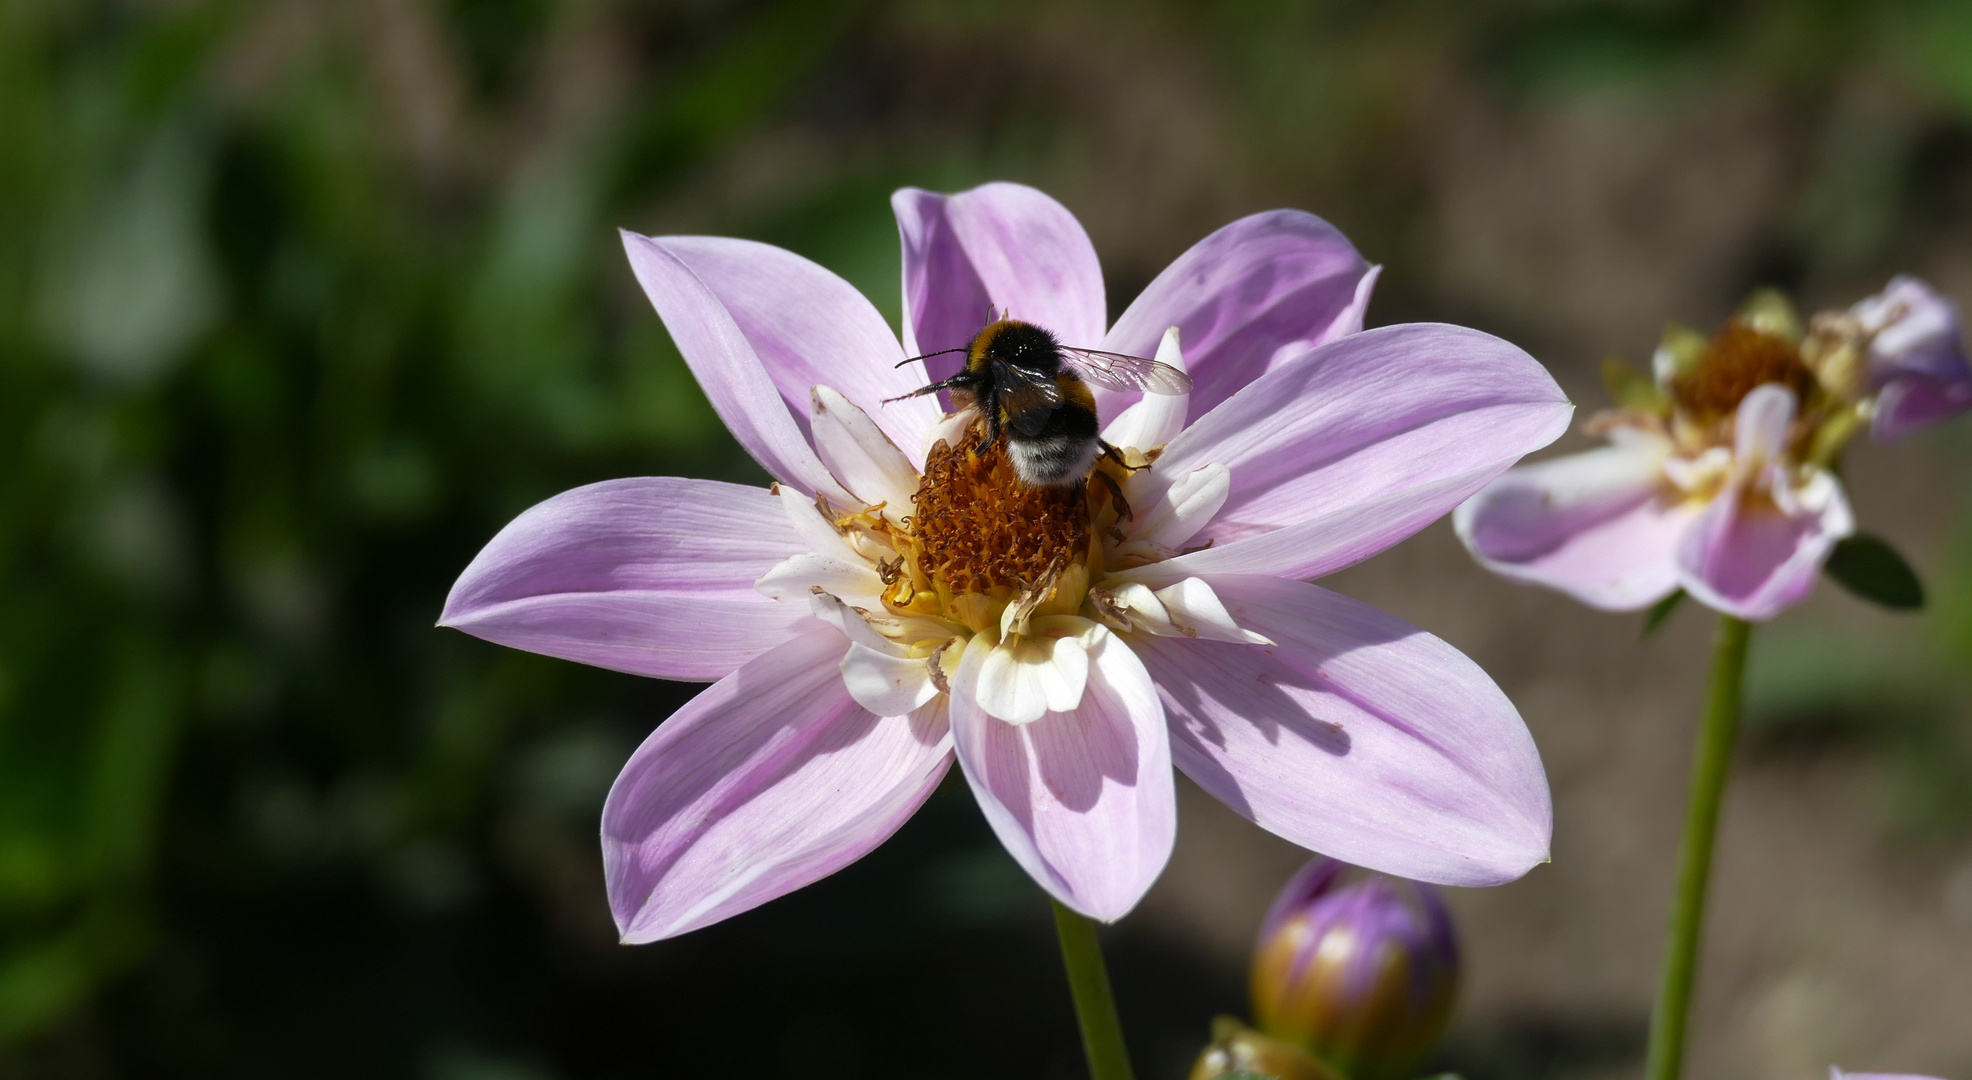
[1023, 345]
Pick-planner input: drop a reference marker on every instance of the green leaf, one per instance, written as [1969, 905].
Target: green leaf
[1869, 567]
[1660, 611]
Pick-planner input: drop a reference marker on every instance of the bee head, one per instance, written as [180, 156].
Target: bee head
[1019, 343]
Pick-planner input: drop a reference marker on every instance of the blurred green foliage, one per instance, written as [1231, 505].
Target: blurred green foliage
[301, 301]
[265, 382]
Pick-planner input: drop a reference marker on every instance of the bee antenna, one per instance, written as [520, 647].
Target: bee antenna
[926, 356]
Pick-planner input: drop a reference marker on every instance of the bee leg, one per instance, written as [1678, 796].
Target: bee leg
[922, 391]
[1116, 456]
[992, 435]
[1115, 495]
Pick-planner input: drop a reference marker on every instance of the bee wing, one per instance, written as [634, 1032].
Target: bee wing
[1119, 371]
[1025, 397]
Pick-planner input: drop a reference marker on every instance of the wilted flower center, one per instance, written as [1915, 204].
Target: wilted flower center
[1737, 359]
[980, 533]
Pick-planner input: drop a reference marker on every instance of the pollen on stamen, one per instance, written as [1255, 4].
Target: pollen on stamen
[981, 531]
[1737, 359]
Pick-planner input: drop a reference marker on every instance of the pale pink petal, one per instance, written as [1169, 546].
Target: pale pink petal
[652, 576]
[1359, 736]
[1835, 1073]
[997, 249]
[1601, 526]
[1343, 452]
[1915, 331]
[1246, 299]
[771, 779]
[1916, 401]
[1324, 542]
[1084, 800]
[728, 369]
[1752, 559]
[1916, 356]
[1759, 427]
[760, 327]
[809, 328]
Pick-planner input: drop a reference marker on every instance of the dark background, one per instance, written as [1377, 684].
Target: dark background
[300, 301]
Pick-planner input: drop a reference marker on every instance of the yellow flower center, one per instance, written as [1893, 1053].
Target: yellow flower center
[977, 539]
[1737, 359]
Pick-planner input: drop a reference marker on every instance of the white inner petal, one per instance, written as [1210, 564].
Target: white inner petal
[860, 455]
[1760, 428]
[830, 609]
[1197, 611]
[1175, 515]
[1156, 418]
[1133, 606]
[1819, 494]
[1189, 608]
[1025, 678]
[1702, 473]
[912, 629]
[885, 683]
[796, 578]
[815, 531]
[951, 430]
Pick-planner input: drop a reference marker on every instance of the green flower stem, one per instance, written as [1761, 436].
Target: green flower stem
[1095, 1006]
[1701, 823]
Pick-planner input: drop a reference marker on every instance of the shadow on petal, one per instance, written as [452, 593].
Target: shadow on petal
[1073, 759]
[1359, 736]
[1083, 801]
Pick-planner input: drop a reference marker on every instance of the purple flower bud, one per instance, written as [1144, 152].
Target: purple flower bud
[1358, 967]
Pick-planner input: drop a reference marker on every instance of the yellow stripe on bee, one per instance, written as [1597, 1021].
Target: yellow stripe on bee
[975, 357]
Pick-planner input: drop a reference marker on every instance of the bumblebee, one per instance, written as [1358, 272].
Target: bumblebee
[1034, 391]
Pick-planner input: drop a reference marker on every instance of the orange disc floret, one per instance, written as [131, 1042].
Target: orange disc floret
[1737, 359]
[980, 530]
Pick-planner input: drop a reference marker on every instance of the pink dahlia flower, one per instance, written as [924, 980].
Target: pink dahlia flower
[1836, 1073]
[1718, 478]
[894, 604]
